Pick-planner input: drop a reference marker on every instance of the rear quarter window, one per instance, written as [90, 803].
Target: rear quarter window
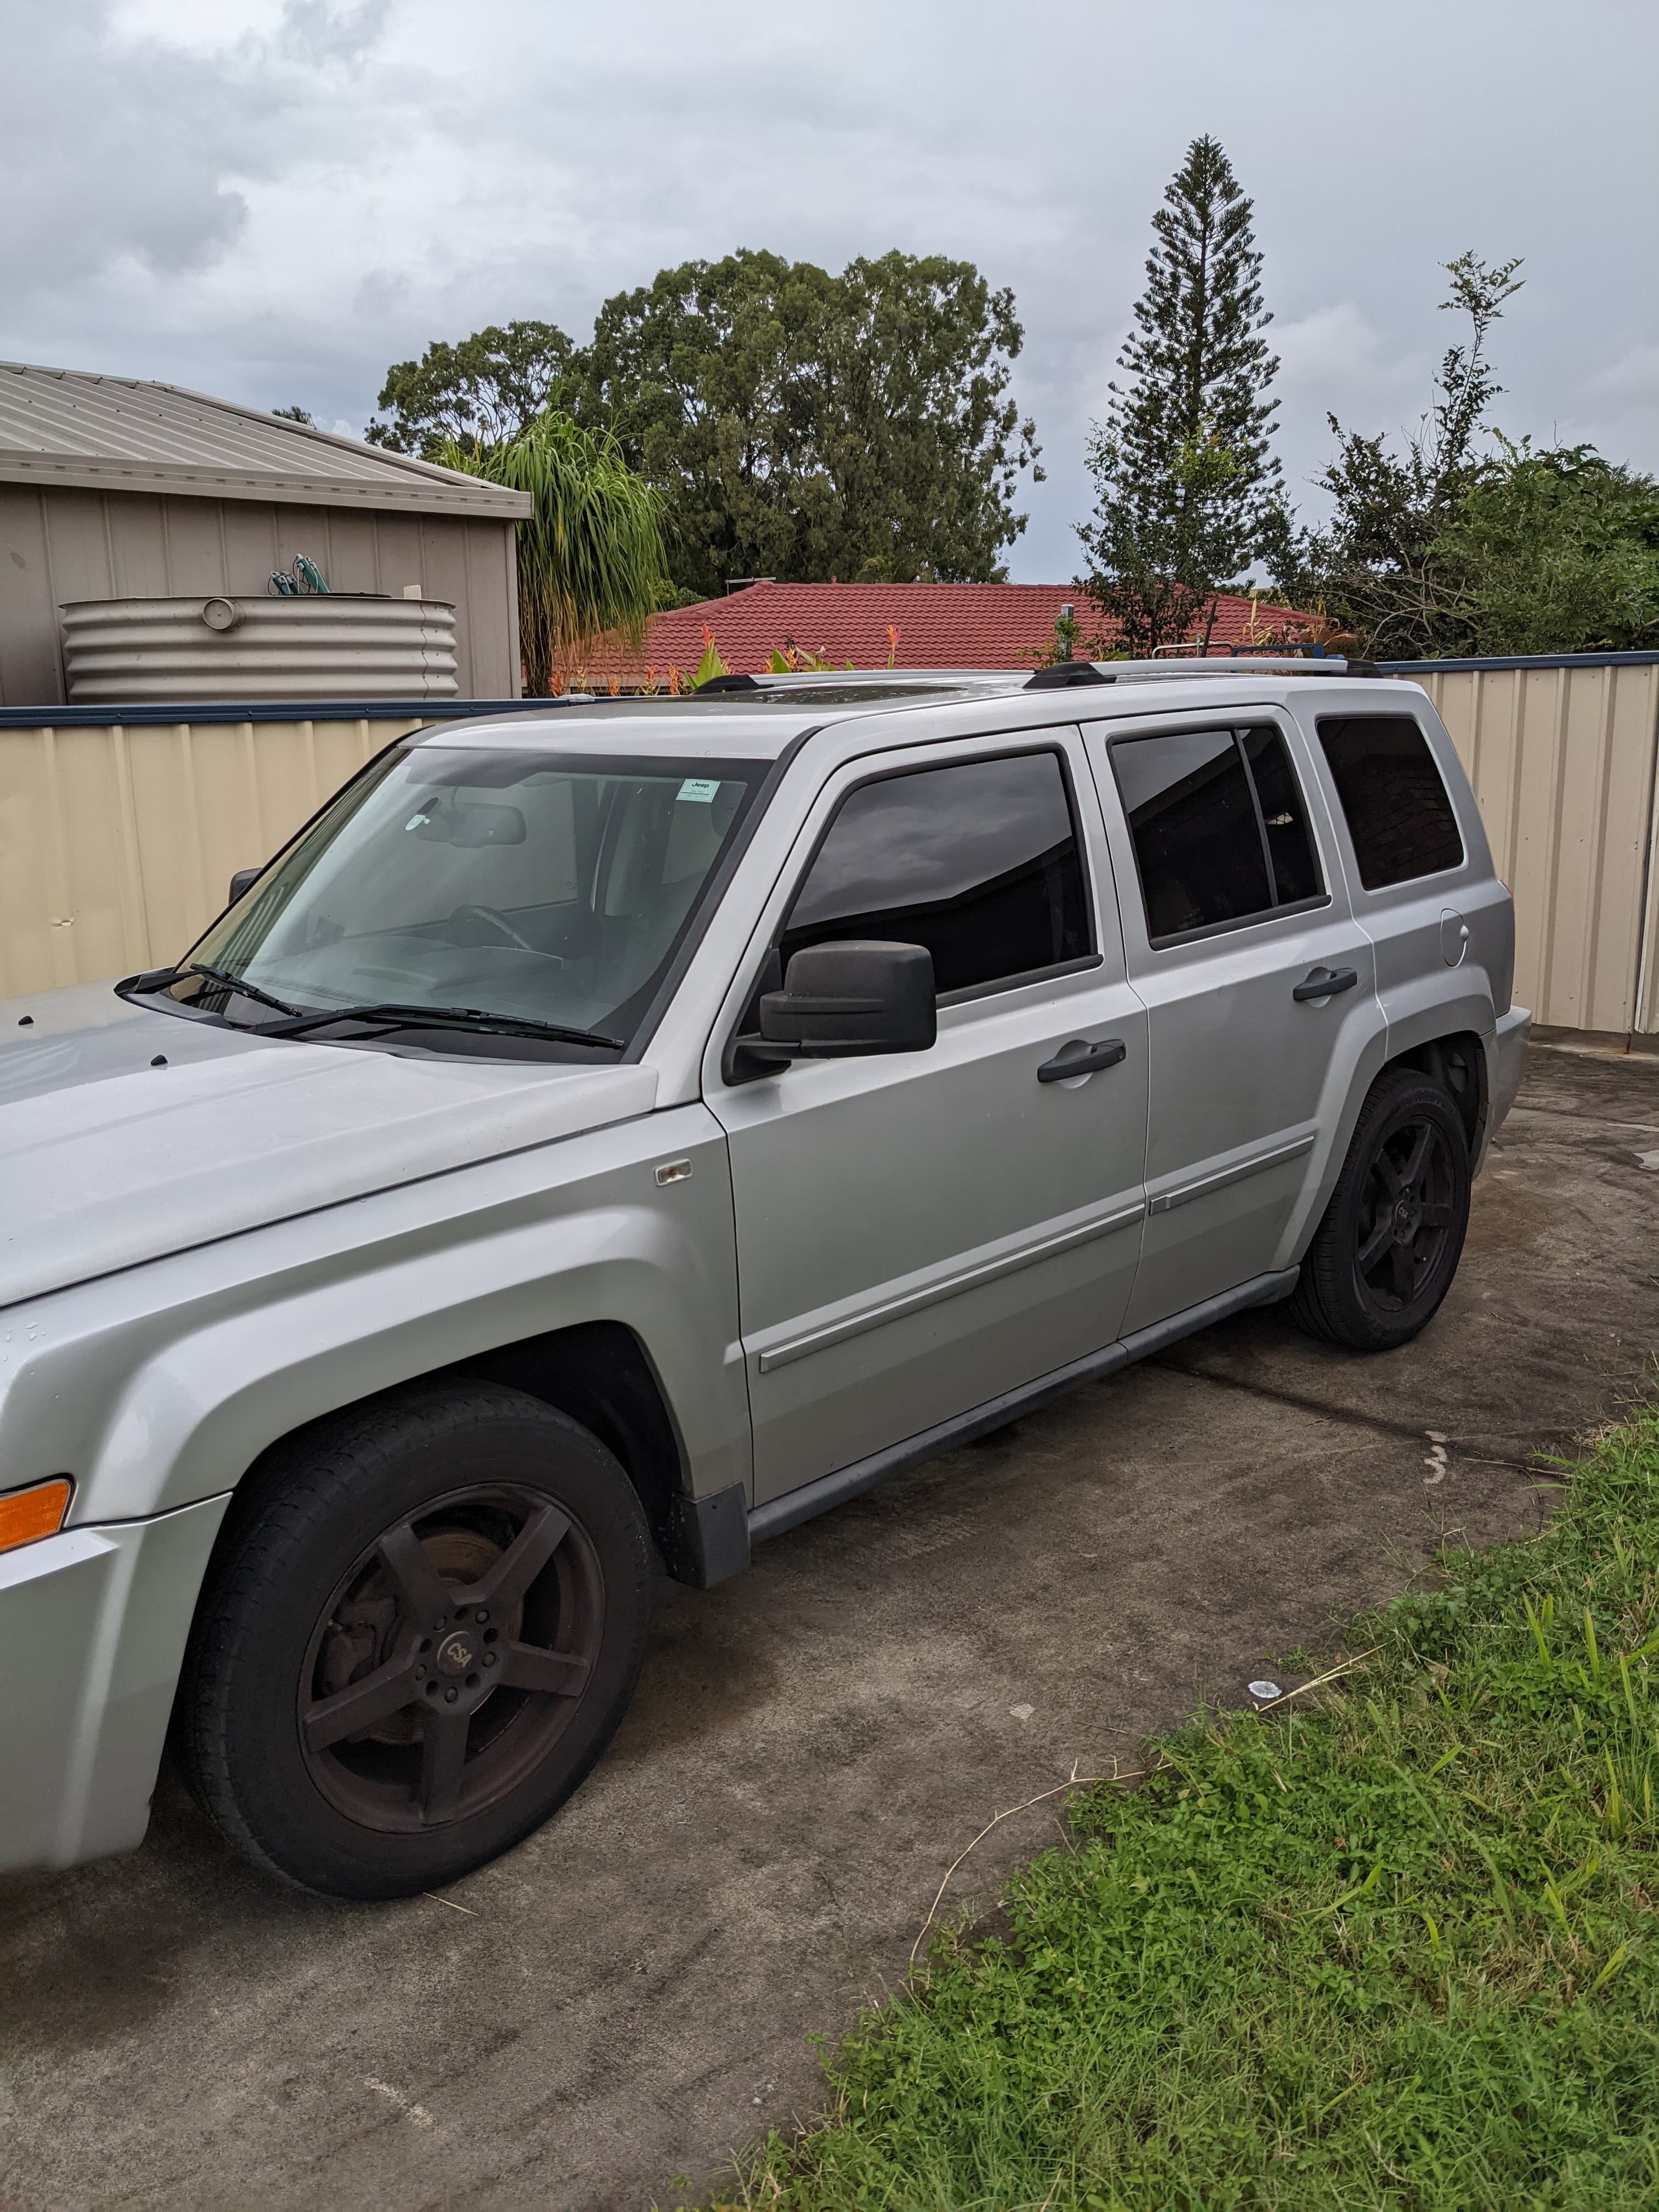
[1399, 812]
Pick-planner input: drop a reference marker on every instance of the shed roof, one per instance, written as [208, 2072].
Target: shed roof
[64, 426]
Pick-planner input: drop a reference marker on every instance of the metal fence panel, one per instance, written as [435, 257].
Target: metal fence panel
[118, 841]
[1561, 758]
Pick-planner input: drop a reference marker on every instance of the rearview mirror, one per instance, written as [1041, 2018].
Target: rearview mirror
[857, 996]
[467, 823]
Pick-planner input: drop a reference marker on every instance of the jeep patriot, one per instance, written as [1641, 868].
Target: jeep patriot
[604, 1138]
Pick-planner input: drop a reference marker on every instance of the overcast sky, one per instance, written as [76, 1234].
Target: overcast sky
[271, 202]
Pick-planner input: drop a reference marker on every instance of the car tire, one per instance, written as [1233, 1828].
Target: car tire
[422, 1626]
[1384, 1253]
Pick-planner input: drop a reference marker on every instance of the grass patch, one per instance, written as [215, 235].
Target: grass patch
[1395, 1951]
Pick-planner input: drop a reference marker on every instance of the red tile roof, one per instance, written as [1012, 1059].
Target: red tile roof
[916, 625]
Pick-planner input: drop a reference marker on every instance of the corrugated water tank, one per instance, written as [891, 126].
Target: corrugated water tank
[337, 645]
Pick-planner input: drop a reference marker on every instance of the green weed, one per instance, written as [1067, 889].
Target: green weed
[1395, 1951]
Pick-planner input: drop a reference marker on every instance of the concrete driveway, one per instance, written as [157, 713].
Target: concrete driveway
[628, 1996]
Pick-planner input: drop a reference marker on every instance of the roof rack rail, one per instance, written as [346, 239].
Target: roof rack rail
[713, 683]
[1063, 675]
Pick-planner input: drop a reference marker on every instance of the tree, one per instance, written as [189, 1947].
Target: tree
[805, 425]
[1376, 568]
[1154, 555]
[296, 415]
[590, 557]
[1551, 552]
[485, 391]
[698, 375]
[917, 448]
[1189, 491]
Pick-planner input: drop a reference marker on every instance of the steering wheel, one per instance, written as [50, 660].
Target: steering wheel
[492, 919]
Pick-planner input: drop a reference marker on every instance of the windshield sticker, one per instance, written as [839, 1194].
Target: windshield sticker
[703, 788]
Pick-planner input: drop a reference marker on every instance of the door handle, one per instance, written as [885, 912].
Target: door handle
[1071, 1062]
[1326, 982]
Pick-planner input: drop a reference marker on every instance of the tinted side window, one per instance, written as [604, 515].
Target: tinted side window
[1398, 814]
[1194, 824]
[1283, 819]
[978, 861]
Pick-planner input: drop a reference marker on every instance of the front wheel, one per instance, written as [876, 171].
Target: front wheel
[1383, 1256]
[424, 1627]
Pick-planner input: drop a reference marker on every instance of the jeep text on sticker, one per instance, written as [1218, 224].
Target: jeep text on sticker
[703, 787]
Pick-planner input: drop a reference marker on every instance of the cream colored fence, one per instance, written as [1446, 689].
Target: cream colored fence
[1562, 759]
[117, 839]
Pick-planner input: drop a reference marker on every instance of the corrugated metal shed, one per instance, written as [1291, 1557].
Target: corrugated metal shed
[61, 426]
[113, 488]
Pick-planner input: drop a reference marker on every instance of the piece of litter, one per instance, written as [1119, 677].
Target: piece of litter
[1649, 1161]
[418, 2114]
[1263, 1690]
[1022, 1712]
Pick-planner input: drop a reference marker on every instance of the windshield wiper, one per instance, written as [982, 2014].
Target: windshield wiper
[387, 1013]
[157, 978]
[394, 1016]
[235, 984]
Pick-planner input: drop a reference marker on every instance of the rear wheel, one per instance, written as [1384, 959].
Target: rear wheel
[1384, 1257]
[425, 1627]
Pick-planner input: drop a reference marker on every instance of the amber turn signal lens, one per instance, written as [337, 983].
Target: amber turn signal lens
[26, 1515]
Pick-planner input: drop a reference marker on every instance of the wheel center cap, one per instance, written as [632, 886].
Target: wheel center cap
[456, 1652]
[1405, 1220]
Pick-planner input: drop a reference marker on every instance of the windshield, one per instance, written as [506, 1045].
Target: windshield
[525, 886]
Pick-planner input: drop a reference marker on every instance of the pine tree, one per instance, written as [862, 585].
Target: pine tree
[1189, 489]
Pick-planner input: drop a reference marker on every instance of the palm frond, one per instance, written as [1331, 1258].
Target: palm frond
[590, 557]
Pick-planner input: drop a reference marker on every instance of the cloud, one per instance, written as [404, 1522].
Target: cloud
[274, 202]
[136, 154]
[1335, 361]
[1631, 381]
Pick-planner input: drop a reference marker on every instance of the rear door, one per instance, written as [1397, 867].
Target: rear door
[1233, 918]
[920, 1232]
[1423, 882]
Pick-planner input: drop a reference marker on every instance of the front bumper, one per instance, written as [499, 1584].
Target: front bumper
[92, 1627]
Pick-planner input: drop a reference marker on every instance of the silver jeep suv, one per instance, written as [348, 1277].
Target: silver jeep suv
[604, 1138]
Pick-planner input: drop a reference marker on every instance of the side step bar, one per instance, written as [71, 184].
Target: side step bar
[780, 1514]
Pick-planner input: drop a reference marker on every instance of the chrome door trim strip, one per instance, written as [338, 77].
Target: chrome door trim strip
[1184, 1193]
[794, 1506]
[987, 1270]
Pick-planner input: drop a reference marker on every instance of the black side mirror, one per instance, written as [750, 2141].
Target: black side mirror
[857, 996]
[242, 880]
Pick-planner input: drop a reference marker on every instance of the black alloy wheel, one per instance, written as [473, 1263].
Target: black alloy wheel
[1384, 1254]
[1406, 1214]
[452, 1657]
[422, 1626]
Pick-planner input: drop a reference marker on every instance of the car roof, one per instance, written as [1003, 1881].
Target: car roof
[761, 720]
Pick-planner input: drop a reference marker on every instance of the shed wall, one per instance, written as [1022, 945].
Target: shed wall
[57, 544]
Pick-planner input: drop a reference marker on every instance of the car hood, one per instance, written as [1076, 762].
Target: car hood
[107, 1160]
